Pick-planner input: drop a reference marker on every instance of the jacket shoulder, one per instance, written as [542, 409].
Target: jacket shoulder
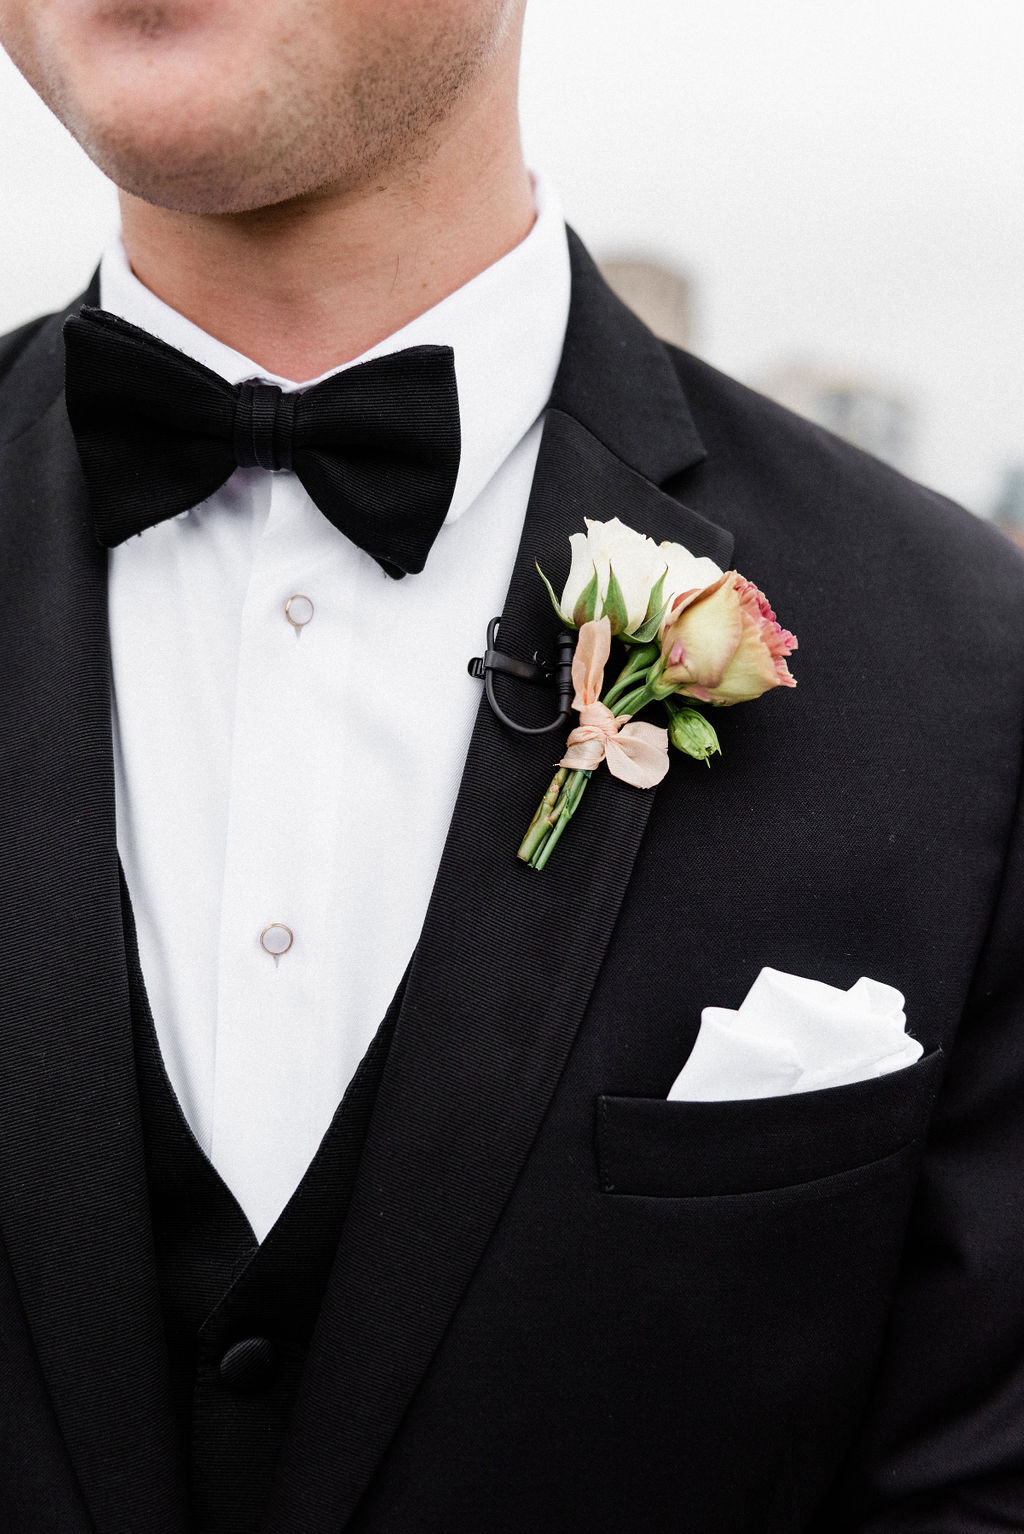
[834, 504]
[31, 372]
[14, 343]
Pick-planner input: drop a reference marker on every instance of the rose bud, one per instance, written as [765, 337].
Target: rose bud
[689, 731]
[606, 546]
[721, 644]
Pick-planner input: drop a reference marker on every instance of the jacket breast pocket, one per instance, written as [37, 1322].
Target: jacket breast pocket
[660, 1149]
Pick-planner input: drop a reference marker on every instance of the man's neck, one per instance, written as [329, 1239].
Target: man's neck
[304, 286]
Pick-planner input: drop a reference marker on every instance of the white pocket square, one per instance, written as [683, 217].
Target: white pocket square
[795, 1035]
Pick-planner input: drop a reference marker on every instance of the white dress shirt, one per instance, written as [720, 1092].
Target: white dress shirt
[303, 778]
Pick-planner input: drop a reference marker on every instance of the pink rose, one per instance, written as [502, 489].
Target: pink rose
[721, 644]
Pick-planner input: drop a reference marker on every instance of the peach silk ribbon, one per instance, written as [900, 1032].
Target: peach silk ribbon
[635, 753]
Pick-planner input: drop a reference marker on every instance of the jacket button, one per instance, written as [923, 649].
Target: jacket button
[250, 1364]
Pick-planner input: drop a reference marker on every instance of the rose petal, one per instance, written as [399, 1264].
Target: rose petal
[752, 670]
[636, 560]
[685, 571]
[581, 569]
[708, 627]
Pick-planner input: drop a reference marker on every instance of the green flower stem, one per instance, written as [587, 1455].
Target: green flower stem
[547, 804]
[540, 825]
[634, 701]
[640, 659]
[570, 799]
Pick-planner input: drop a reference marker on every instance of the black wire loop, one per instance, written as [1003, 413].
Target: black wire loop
[536, 672]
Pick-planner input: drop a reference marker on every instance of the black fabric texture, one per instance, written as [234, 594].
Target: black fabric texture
[376, 447]
[804, 1318]
[663, 1149]
[220, 1289]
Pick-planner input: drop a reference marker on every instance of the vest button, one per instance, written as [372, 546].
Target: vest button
[250, 1364]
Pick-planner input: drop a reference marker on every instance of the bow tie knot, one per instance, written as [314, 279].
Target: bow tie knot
[264, 426]
[376, 446]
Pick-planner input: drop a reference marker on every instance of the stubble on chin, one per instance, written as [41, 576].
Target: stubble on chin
[237, 140]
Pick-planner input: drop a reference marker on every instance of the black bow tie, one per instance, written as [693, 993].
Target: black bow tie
[376, 447]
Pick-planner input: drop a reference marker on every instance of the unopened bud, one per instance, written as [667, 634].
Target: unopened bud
[691, 732]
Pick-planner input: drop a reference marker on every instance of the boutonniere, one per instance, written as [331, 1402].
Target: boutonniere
[690, 630]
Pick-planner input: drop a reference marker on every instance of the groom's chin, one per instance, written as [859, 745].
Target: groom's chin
[224, 106]
[175, 160]
[162, 154]
[168, 99]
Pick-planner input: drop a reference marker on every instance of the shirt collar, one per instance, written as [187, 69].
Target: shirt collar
[506, 326]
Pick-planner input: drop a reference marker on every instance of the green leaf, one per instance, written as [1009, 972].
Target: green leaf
[649, 628]
[615, 605]
[554, 600]
[657, 602]
[586, 607]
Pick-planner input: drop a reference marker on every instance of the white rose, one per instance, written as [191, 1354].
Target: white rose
[637, 561]
[639, 565]
[685, 571]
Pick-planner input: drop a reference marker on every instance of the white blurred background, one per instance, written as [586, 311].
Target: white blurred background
[839, 184]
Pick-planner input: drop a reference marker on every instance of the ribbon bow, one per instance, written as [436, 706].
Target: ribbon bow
[635, 753]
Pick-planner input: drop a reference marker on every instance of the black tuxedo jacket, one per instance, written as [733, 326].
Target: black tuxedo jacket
[562, 1303]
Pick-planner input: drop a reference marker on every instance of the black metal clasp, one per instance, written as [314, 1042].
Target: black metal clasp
[538, 672]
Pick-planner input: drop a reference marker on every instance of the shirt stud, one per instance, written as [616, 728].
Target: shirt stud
[276, 940]
[299, 611]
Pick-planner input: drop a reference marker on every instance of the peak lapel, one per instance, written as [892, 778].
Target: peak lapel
[73, 1204]
[508, 957]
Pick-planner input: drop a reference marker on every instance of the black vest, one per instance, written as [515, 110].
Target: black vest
[239, 1317]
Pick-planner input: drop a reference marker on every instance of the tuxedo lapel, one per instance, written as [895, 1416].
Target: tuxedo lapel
[508, 957]
[74, 1207]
